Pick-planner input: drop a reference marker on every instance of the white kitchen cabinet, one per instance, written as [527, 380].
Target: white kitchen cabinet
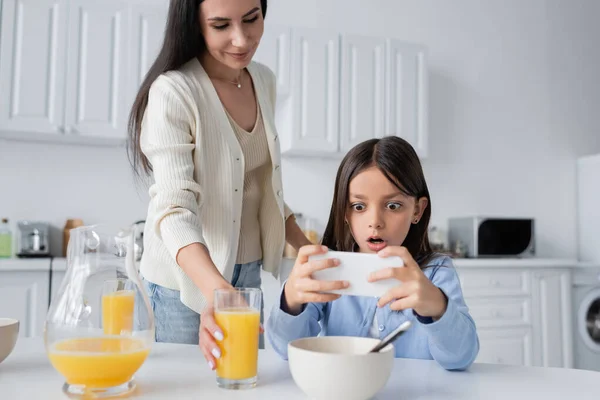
[506, 346]
[552, 302]
[97, 68]
[72, 84]
[406, 93]
[362, 94]
[275, 52]
[523, 315]
[308, 120]
[345, 89]
[24, 296]
[56, 282]
[148, 19]
[33, 41]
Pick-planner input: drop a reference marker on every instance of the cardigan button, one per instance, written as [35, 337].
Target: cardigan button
[279, 193]
[381, 328]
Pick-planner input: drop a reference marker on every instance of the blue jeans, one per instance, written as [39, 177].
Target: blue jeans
[176, 323]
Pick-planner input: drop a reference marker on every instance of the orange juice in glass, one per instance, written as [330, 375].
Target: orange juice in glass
[237, 312]
[117, 312]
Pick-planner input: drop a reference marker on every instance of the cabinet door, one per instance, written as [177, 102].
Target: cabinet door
[314, 103]
[362, 90]
[406, 93]
[56, 282]
[32, 64]
[552, 309]
[148, 25]
[275, 51]
[505, 346]
[24, 296]
[97, 68]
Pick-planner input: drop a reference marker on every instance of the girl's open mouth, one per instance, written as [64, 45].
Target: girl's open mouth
[375, 243]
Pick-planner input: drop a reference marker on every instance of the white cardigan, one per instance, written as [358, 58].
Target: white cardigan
[198, 168]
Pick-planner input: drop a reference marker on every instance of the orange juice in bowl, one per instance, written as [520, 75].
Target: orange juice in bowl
[237, 312]
[101, 362]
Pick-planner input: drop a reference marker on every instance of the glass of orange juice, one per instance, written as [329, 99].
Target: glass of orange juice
[237, 312]
[100, 326]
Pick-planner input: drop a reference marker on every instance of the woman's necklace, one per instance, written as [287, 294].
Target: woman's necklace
[238, 83]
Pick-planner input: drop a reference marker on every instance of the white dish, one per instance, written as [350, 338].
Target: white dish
[9, 332]
[330, 367]
[356, 268]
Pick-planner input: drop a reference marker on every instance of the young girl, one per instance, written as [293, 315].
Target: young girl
[381, 205]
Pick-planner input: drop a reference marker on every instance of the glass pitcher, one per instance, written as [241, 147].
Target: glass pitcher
[100, 326]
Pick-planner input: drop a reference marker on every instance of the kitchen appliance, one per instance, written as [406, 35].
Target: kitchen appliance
[586, 317]
[482, 237]
[588, 211]
[32, 239]
[586, 278]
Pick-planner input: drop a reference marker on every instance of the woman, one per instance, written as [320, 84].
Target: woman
[203, 126]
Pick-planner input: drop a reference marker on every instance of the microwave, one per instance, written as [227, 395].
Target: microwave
[481, 237]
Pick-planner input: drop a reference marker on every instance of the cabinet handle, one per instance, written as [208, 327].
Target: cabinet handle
[494, 282]
[60, 129]
[496, 313]
[70, 129]
[499, 360]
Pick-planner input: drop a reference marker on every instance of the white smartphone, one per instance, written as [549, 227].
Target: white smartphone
[355, 268]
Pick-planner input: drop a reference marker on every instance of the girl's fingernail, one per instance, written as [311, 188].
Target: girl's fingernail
[218, 335]
[324, 248]
[216, 352]
[336, 261]
[211, 365]
[346, 283]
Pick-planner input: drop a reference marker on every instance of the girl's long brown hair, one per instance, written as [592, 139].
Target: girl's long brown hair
[399, 162]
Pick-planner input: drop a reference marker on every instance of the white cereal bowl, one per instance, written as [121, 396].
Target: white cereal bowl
[9, 332]
[339, 367]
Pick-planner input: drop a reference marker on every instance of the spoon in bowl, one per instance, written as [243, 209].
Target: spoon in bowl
[391, 337]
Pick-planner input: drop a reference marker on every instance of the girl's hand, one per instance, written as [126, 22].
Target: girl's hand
[300, 288]
[416, 291]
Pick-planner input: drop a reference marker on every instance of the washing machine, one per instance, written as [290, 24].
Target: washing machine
[586, 317]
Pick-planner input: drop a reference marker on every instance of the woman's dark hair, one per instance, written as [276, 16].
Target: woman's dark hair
[399, 162]
[183, 41]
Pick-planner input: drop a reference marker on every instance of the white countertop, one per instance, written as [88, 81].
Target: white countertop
[179, 371]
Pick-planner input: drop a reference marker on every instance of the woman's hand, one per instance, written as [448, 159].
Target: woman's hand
[416, 291]
[209, 332]
[300, 288]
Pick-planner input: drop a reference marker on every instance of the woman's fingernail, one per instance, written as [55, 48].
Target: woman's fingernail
[336, 261]
[324, 248]
[346, 283]
[218, 335]
[211, 365]
[216, 352]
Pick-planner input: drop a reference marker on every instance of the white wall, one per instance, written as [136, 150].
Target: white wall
[513, 91]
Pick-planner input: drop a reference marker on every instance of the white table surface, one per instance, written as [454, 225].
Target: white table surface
[179, 372]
